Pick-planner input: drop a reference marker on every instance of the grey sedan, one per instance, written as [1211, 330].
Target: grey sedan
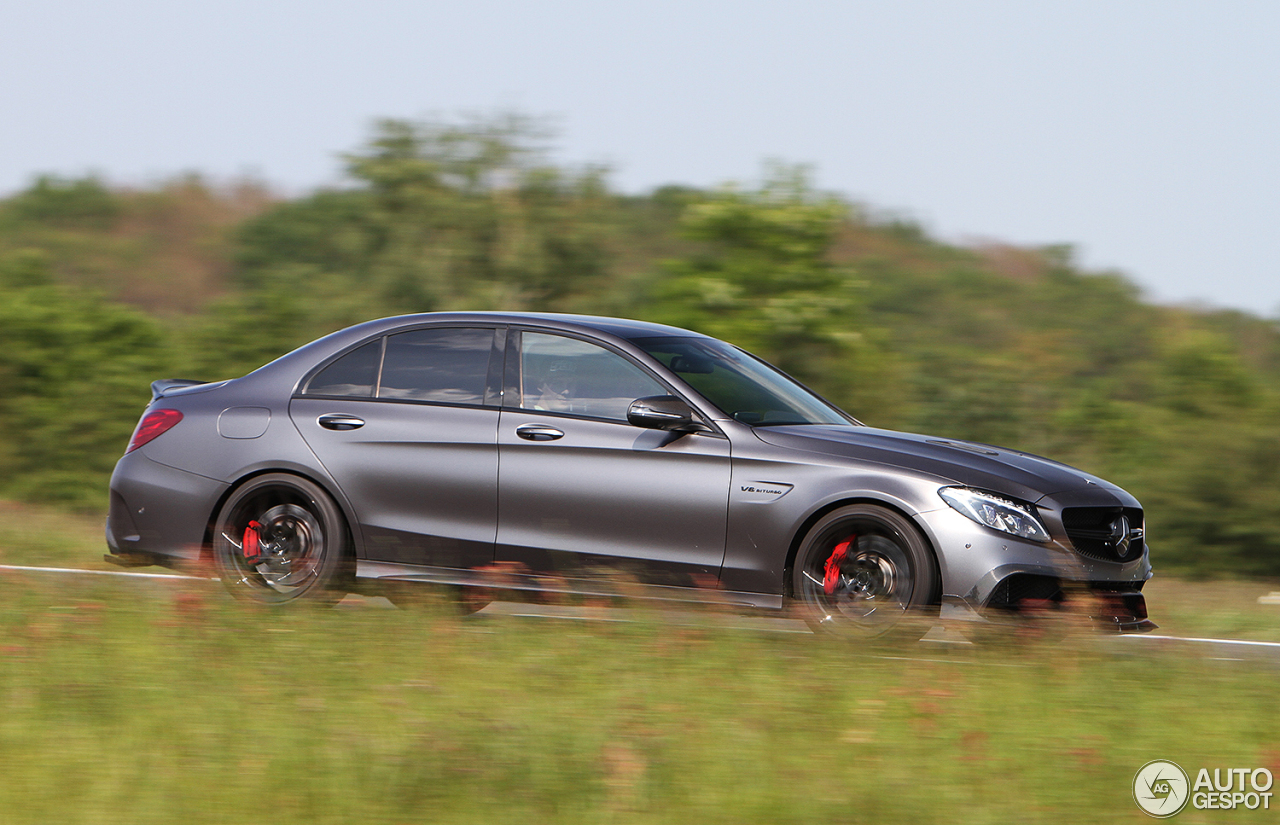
[567, 452]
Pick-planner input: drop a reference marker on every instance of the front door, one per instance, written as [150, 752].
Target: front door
[582, 490]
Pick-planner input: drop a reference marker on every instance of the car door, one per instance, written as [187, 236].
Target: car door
[580, 488]
[407, 426]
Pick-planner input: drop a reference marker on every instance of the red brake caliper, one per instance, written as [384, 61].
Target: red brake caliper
[831, 573]
[252, 546]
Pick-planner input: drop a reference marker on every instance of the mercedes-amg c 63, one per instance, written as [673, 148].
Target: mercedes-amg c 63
[567, 451]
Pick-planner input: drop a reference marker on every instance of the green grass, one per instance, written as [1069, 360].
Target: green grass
[140, 701]
[1223, 608]
[45, 537]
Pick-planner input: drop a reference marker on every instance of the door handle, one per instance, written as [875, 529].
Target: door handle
[538, 432]
[339, 421]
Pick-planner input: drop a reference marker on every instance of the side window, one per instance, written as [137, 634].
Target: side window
[448, 365]
[560, 374]
[353, 375]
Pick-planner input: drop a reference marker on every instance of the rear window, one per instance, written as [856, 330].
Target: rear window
[447, 366]
[352, 376]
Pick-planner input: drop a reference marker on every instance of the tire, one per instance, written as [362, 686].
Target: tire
[866, 572]
[281, 538]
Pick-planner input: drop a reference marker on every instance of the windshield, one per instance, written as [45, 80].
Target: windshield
[741, 385]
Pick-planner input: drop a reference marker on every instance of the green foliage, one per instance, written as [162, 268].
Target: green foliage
[765, 279]
[71, 373]
[291, 305]
[164, 249]
[54, 201]
[446, 217]
[1012, 346]
[1202, 375]
[327, 230]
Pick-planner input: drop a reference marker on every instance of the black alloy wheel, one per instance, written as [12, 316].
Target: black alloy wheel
[280, 538]
[865, 572]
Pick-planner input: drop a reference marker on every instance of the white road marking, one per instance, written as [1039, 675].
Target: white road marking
[1196, 639]
[99, 572]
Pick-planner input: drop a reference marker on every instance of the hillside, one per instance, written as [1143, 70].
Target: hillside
[103, 290]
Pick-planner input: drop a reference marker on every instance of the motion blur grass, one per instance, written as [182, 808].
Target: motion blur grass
[41, 536]
[1218, 608]
[155, 701]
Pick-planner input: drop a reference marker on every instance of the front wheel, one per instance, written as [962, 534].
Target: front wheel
[864, 571]
[279, 538]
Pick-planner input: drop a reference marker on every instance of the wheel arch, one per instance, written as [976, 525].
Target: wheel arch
[817, 515]
[206, 547]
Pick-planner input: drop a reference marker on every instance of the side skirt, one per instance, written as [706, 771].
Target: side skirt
[501, 578]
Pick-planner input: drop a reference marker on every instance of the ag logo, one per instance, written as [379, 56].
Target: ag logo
[1161, 788]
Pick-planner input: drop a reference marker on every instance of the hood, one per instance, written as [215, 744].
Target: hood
[1009, 472]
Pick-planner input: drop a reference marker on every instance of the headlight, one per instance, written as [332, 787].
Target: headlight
[995, 512]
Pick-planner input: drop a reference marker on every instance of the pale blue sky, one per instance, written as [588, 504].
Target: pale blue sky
[1142, 132]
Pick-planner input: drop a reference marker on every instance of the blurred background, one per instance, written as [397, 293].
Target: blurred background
[1044, 225]
[1049, 227]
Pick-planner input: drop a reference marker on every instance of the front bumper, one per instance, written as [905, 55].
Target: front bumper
[1109, 606]
[990, 576]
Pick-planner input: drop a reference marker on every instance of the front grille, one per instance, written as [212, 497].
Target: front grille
[1105, 533]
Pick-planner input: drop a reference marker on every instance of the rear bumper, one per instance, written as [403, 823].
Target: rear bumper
[158, 512]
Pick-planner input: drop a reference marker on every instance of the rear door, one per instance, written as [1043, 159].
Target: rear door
[581, 489]
[407, 426]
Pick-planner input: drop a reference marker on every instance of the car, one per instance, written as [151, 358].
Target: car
[569, 453]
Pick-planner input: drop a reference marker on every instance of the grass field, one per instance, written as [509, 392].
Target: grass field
[128, 701]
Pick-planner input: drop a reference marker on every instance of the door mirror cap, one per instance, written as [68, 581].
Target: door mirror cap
[663, 412]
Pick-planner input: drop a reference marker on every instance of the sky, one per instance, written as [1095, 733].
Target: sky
[1144, 134]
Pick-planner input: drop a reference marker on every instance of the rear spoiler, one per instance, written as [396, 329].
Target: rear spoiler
[159, 388]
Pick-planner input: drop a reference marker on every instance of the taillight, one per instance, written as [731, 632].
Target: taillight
[153, 424]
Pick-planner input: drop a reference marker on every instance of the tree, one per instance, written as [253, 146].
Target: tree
[445, 216]
[763, 277]
[61, 202]
[76, 374]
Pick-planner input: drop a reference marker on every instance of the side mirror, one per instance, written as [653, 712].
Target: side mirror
[663, 412]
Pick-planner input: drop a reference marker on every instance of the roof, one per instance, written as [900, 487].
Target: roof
[620, 327]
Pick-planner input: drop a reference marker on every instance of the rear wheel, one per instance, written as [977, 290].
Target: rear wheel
[866, 572]
[280, 538]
